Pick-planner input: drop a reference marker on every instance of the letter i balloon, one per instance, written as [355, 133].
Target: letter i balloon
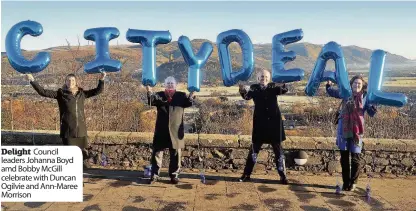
[102, 61]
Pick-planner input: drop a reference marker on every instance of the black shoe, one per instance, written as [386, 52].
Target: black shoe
[284, 181]
[245, 178]
[152, 180]
[346, 187]
[174, 180]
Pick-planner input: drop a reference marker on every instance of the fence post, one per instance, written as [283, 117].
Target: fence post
[11, 112]
[102, 128]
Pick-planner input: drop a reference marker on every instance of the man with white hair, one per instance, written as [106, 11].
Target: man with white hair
[267, 122]
[169, 129]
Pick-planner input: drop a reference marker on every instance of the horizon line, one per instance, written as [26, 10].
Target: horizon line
[260, 43]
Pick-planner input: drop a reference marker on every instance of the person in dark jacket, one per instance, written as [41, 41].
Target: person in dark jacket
[267, 122]
[350, 129]
[169, 129]
[70, 97]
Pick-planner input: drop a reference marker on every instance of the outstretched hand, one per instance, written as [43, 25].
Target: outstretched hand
[241, 87]
[329, 83]
[191, 95]
[29, 77]
[148, 88]
[103, 74]
[283, 85]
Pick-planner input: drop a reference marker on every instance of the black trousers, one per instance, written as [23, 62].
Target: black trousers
[81, 142]
[278, 152]
[350, 176]
[174, 164]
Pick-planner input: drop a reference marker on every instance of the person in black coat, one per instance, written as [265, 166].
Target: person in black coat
[70, 97]
[267, 122]
[169, 129]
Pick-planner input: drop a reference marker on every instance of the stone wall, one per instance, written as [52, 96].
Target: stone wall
[125, 150]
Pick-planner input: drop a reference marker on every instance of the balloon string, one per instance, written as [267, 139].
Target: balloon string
[254, 154]
[151, 98]
[202, 169]
[334, 132]
[368, 188]
[373, 165]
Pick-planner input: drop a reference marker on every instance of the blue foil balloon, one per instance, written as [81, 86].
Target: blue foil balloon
[330, 51]
[14, 52]
[223, 40]
[102, 61]
[329, 75]
[338, 189]
[103, 159]
[203, 179]
[375, 82]
[149, 40]
[195, 62]
[280, 57]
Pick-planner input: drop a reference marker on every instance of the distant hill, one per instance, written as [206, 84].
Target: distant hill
[170, 60]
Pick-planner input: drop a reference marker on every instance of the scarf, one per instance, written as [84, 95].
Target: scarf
[169, 94]
[353, 118]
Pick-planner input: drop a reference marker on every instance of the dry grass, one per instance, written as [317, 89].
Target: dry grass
[214, 116]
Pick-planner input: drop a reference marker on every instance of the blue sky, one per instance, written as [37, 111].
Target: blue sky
[390, 26]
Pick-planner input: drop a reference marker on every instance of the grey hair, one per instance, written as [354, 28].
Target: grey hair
[170, 79]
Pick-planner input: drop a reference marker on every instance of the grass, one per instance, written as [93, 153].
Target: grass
[401, 82]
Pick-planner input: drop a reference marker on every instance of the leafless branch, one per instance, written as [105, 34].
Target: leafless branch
[68, 43]
[75, 67]
[79, 44]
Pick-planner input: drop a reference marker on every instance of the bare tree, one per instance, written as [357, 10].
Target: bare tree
[74, 66]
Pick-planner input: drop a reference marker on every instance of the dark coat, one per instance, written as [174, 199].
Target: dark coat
[169, 129]
[71, 108]
[267, 120]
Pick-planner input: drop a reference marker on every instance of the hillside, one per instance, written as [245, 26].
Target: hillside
[170, 61]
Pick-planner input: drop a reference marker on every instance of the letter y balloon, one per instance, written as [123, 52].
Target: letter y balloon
[195, 62]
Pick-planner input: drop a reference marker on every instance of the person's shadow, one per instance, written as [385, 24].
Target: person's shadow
[136, 177]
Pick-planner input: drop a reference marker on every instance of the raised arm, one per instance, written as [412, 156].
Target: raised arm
[44, 92]
[40, 90]
[96, 91]
[332, 92]
[188, 100]
[246, 94]
[280, 90]
[371, 110]
[154, 99]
